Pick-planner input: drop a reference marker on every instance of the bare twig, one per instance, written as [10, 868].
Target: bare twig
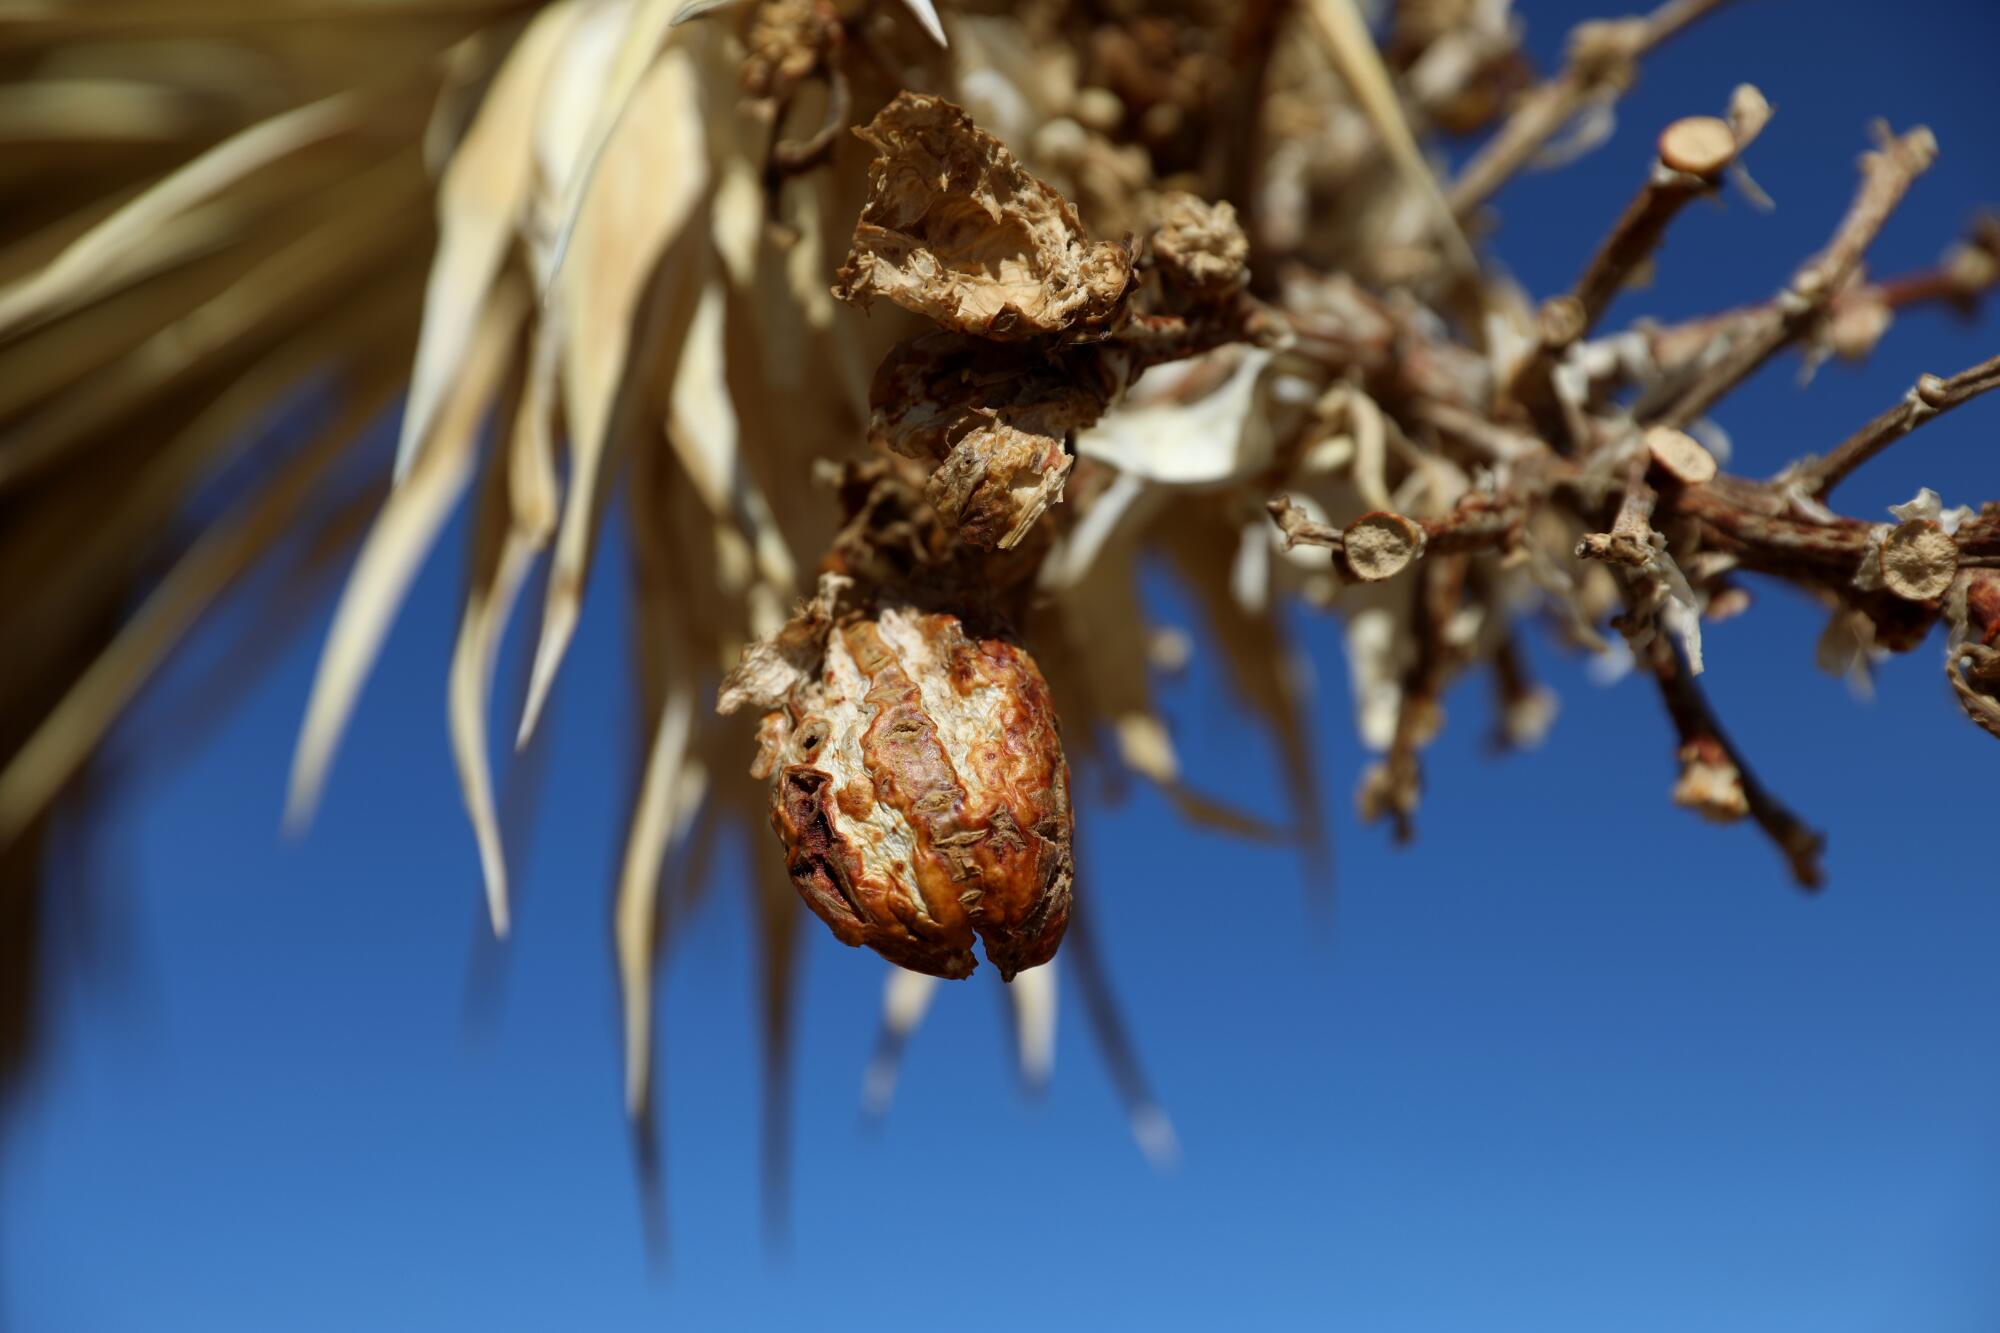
[1299, 528]
[1693, 155]
[1858, 315]
[1392, 788]
[1930, 396]
[1700, 731]
[1886, 174]
[1380, 545]
[1602, 63]
[1630, 541]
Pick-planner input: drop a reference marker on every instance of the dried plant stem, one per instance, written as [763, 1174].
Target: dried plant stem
[1886, 175]
[1697, 726]
[1630, 541]
[1601, 63]
[1253, 41]
[1965, 274]
[1960, 281]
[1693, 155]
[1973, 667]
[1930, 396]
[1380, 545]
[1394, 788]
[1355, 55]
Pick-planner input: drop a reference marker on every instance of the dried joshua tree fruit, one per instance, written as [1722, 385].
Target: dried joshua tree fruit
[957, 230]
[920, 789]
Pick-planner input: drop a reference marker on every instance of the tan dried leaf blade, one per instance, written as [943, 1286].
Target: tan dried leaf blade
[955, 229]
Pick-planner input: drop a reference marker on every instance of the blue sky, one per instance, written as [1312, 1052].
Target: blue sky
[1575, 1060]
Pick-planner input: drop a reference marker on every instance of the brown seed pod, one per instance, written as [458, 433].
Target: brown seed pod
[995, 421]
[921, 794]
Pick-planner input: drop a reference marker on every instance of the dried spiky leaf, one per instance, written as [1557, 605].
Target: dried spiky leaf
[1031, 999]
[503, 553]
[228, 550]
[482, 201]
[906, 997]
[625, 296]
[114, 248]
[396, 546]
[927, 15]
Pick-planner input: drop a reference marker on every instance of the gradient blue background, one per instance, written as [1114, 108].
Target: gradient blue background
[1576, 1060]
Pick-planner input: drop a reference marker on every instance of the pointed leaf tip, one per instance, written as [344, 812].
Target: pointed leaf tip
[926, 14]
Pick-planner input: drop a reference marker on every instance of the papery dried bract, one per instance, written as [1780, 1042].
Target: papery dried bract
[957, 230]
[994, 418]
[921, 792]
[772, 668]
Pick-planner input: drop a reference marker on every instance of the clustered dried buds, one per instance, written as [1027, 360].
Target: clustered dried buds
[787, 42]
[1199, 246]
[918, 782]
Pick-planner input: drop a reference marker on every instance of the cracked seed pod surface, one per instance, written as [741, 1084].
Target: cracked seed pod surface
[922, 795]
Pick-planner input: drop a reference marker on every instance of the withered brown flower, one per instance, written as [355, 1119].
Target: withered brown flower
[957, 230]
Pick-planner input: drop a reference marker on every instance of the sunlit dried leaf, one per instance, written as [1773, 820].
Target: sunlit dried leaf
[228, 550]
[504, 551]
[116, 247]
[625, 297]
[906, 997]
[482, 201]
[1031, 997]
[396, 546]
